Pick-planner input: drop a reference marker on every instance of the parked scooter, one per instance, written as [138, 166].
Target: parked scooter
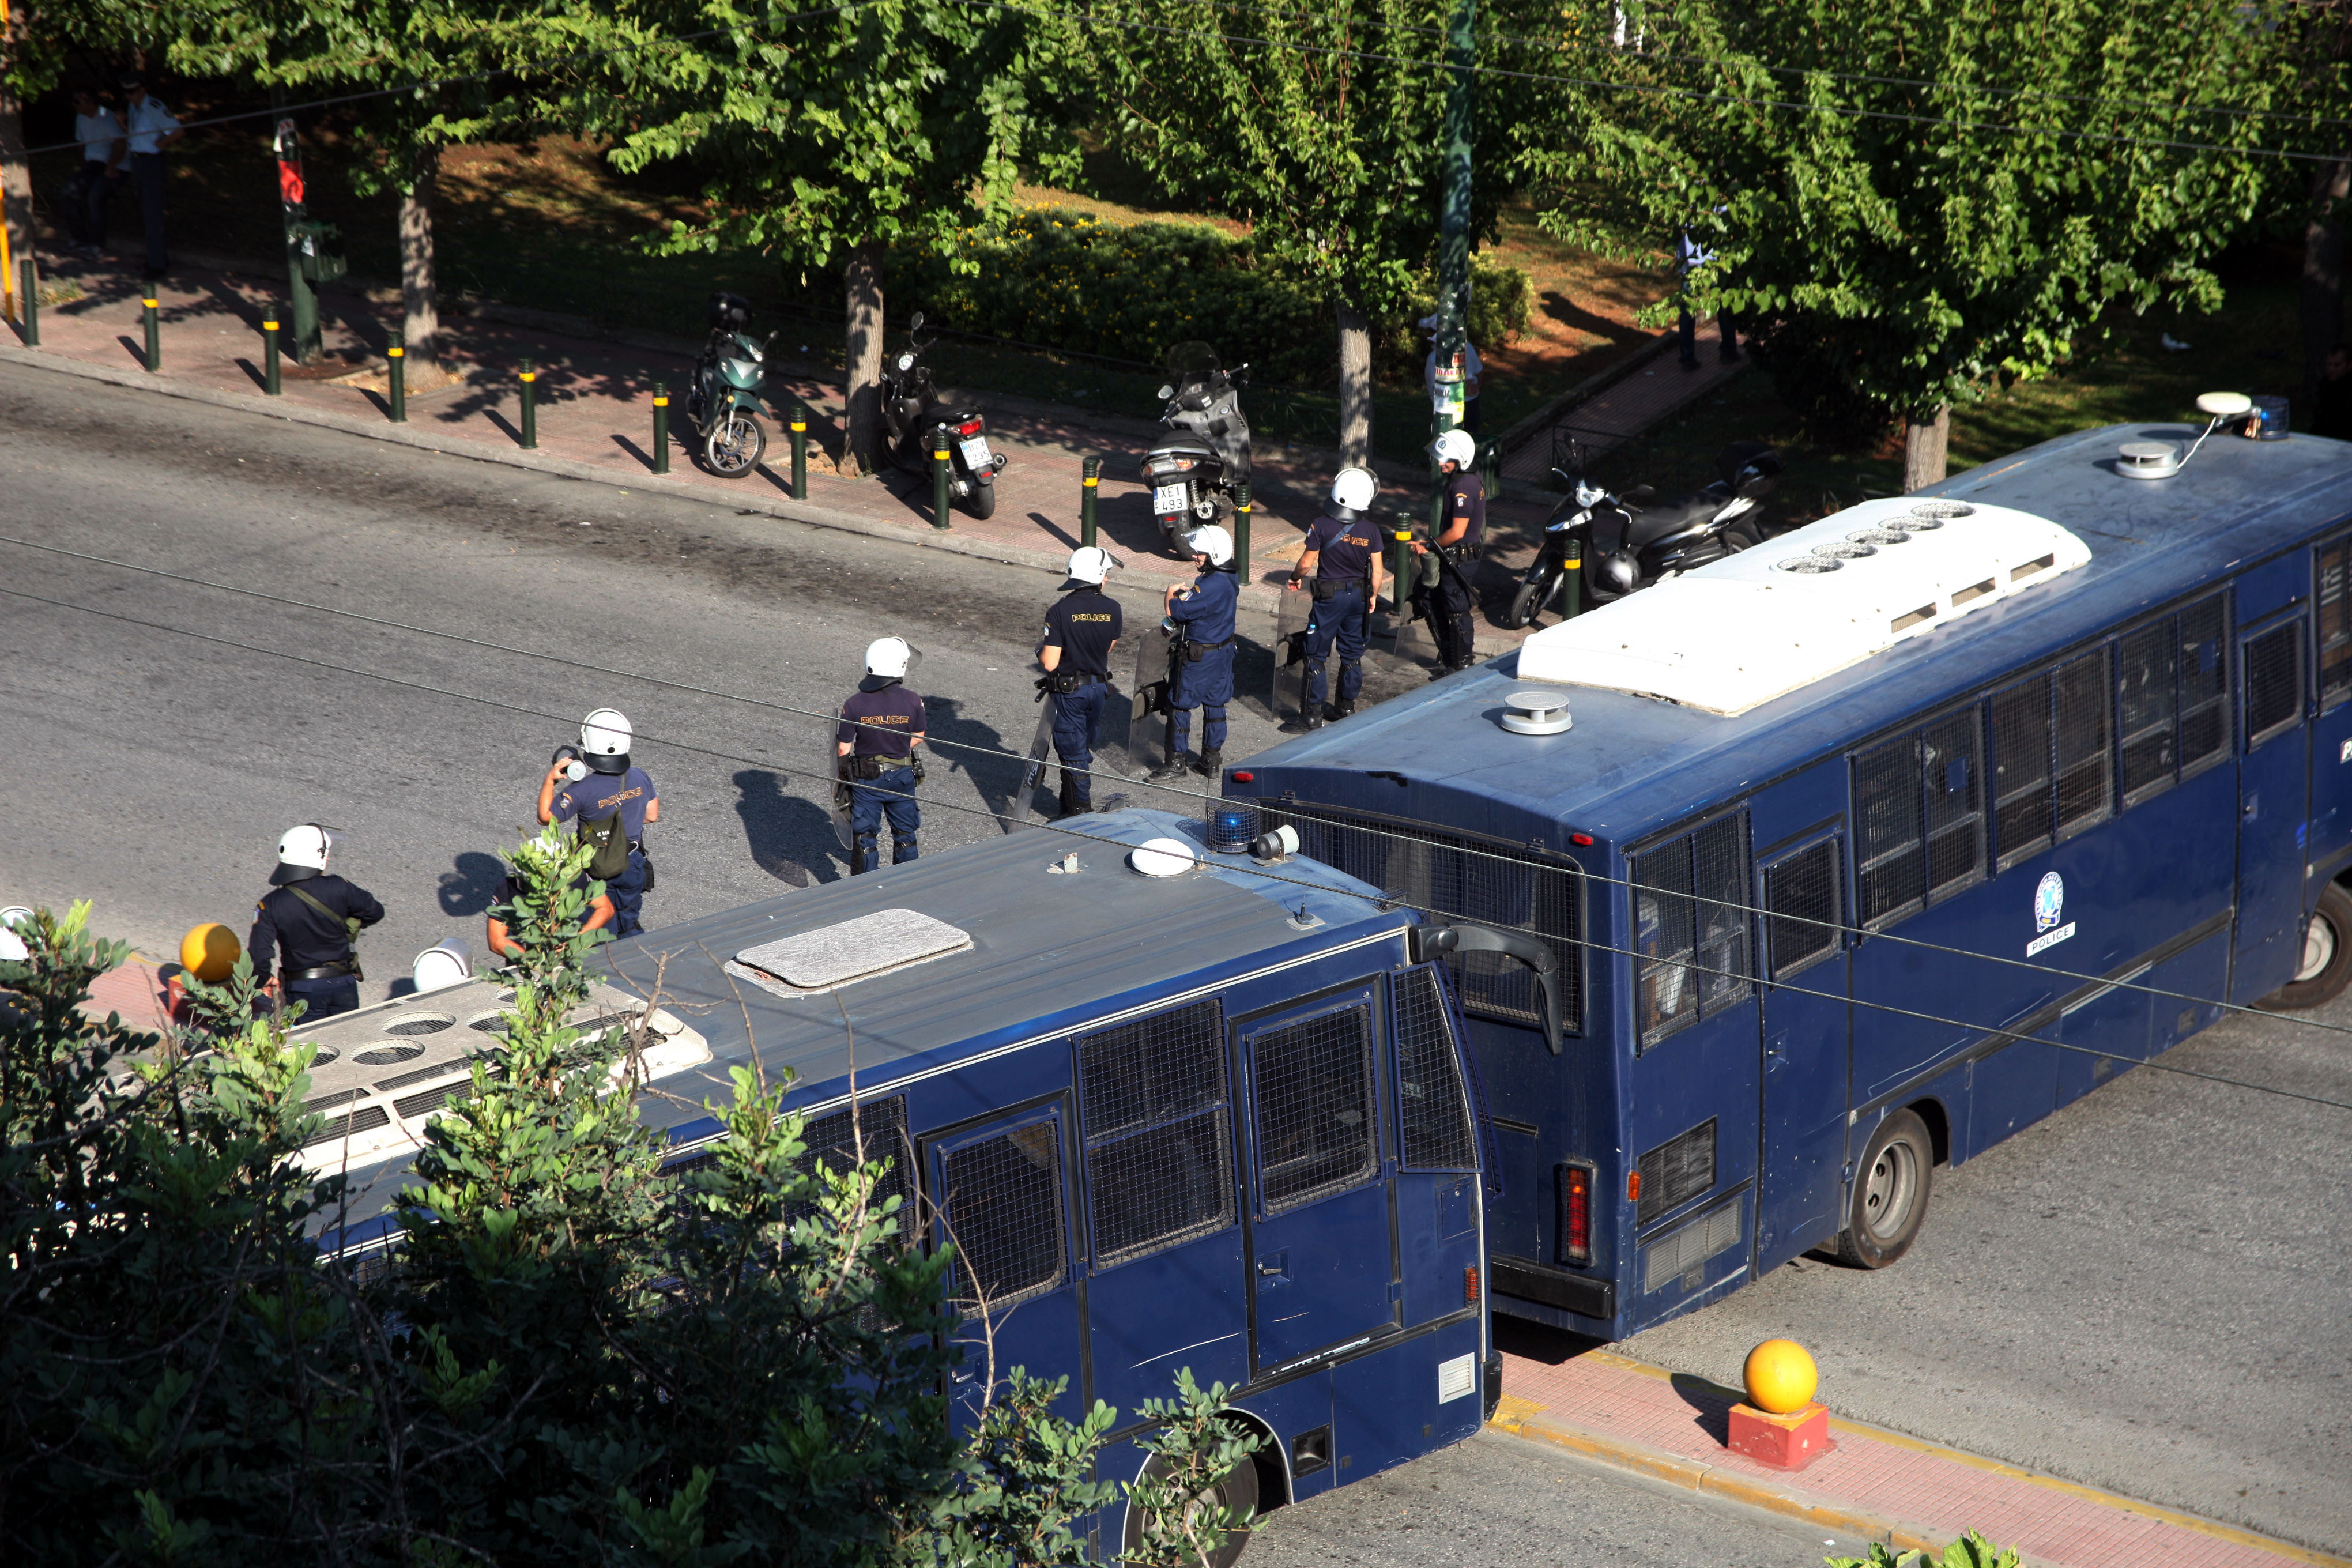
[723, 397]
[917, 412]
[1193, 470]
[1624, 545]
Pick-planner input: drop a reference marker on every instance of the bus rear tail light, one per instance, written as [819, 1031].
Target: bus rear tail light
[1576, 1211]
[1470, 1286]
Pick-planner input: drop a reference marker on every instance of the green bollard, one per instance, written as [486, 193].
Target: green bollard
[1241, 530]
[31, 296]
[529, 407]
[939, 470]
[1092, 483]
[154, 336]
[396, 362]
[800, 451]
[270, 386]
[661, 427]
[1574, 602]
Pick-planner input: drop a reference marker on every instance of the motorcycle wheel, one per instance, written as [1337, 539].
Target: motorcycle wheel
[734, 445]
[1739, 536]
[1531, 599]
[981, 502]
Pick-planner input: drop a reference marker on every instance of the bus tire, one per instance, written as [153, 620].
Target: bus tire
[1237, 1491]
[1891, 1185]
[2327, 965]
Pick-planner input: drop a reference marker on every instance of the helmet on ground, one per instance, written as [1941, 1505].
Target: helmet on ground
[1213, 543]
[1455, 446]
[1354, 489]
[888, 658]
[604, 737]
[1090, 564]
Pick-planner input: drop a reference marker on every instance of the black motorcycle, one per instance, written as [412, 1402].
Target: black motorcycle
[1193, 470]
[1626, 545]
[921, 417]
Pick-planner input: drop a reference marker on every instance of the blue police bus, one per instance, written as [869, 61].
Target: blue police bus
[1177, 1107]
[1842, 843]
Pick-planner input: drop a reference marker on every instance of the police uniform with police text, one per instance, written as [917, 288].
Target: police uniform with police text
[1083, 623]
[1204, 675]
[596, 797]
[879, 724]
[309, 938]
[1452, 606]
[1344, 549]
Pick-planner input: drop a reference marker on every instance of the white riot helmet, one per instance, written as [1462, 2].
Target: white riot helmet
[1088, 563]
[1213, 543]
[888, 658]
[604, 737]
[1456, 447]
[1354, 489]
[303, 852]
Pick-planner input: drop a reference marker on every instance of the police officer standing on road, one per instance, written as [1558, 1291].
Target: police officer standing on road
[1453, 604]
[307, 921]
[1204, 675]
[881, 725]
[1343, 559]
[590, 789]
[1074, 653]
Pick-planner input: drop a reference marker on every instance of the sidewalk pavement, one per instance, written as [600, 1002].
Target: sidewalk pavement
[1610, 409]
[1875, 1483]
[595, 420]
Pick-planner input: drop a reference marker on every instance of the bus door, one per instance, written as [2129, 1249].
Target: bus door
[2274, 805]
[1001, 1197]
[1321, 1240]
[1807, 973]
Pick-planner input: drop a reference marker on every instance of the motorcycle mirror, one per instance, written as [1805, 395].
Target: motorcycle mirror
[915, 323]
[1166, 393]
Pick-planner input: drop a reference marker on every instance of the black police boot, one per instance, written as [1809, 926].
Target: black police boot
[1211, 763]
[1178, 766]
[1316, 720]
[1343, 710]
[1073, 804]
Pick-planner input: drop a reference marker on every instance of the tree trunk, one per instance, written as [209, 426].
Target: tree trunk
[16, 172]
[862, 371]
[2322, 271]
[1355, 387]
[420, 297]
[1924, 438]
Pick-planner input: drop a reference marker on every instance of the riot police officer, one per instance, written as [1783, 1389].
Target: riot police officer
[881, 725]
[307, 921]
[1205, 674]
[1343, 559]
[1452, 604]
[610, 784]
[1074, 653]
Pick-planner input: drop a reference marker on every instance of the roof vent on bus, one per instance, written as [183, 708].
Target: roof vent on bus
[1162, 858]
[2162, 460]
[1532, 711]
[846, 951]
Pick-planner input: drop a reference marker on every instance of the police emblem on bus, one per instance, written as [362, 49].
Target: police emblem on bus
[2049, 900]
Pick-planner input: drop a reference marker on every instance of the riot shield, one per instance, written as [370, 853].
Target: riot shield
[829, 772]
[1409, 631]
[1155, 683]
[1113, 750]
[1021, 810]
[1287, 699]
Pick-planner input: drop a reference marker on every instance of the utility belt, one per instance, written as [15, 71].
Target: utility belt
[1193, 650]
[872, 765]
[1328, 589]
[348, 967]
[1062, 682]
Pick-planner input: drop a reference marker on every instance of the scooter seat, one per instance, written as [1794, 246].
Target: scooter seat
[1186, 445]
[1676, 516]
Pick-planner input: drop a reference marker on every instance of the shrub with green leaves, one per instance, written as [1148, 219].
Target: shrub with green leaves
[1970, 1550]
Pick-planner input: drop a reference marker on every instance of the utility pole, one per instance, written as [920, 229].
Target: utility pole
[1453, 233]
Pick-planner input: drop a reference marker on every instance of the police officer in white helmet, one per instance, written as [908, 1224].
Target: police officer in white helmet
[1081, 628]
[612, 800]
[881, 725]
[1452, 604]
[1342, 559]
[1204, 671]
[307, 921]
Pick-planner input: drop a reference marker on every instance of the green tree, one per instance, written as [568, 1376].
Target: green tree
[1914, 207]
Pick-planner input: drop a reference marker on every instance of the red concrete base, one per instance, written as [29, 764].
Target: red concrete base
[1784, 1442]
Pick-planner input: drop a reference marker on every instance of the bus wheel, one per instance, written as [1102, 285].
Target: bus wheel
[1890, 1193]
[1237, 1491]
[2326, 966]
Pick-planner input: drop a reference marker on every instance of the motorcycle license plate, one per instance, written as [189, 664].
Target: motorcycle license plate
[975, 453]
[1170, 498]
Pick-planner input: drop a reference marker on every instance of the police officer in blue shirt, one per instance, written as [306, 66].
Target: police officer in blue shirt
[1074, 653]
[881, 725]
[1343, 558]
[1453, 603]
[306, 924]
[1204, 675]
[591, 789]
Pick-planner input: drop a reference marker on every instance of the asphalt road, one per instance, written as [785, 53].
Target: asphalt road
[2147, 1293]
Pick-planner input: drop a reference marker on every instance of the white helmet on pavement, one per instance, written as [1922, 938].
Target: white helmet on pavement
[1213, 543]
[1090, 564]
[1456, 447]
[1354, 489]
[888, 658]
[604, 737]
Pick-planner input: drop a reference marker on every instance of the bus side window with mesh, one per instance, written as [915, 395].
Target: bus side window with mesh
[1005, 1214]
[1159, 1144]
[1802, 893]
[2205, 682]
[1315, 1107]
[2334, 573]
[2086, 795]
[2024, 733]
[2273, 682]
[1434, 1131]
[1690, 926]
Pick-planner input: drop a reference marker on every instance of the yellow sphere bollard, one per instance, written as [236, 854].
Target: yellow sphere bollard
[209, 952]
[1780, 1377]
[1779, 1425]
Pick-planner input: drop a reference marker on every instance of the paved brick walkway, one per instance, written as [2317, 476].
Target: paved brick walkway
[1632, 400]
[1872, 1482]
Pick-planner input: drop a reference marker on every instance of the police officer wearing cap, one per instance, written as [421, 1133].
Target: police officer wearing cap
[881, 725]
[306, 923]
[591, 788]
[1452, 604]
[1205, 674]
[1080, 630]
[1343, 559]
